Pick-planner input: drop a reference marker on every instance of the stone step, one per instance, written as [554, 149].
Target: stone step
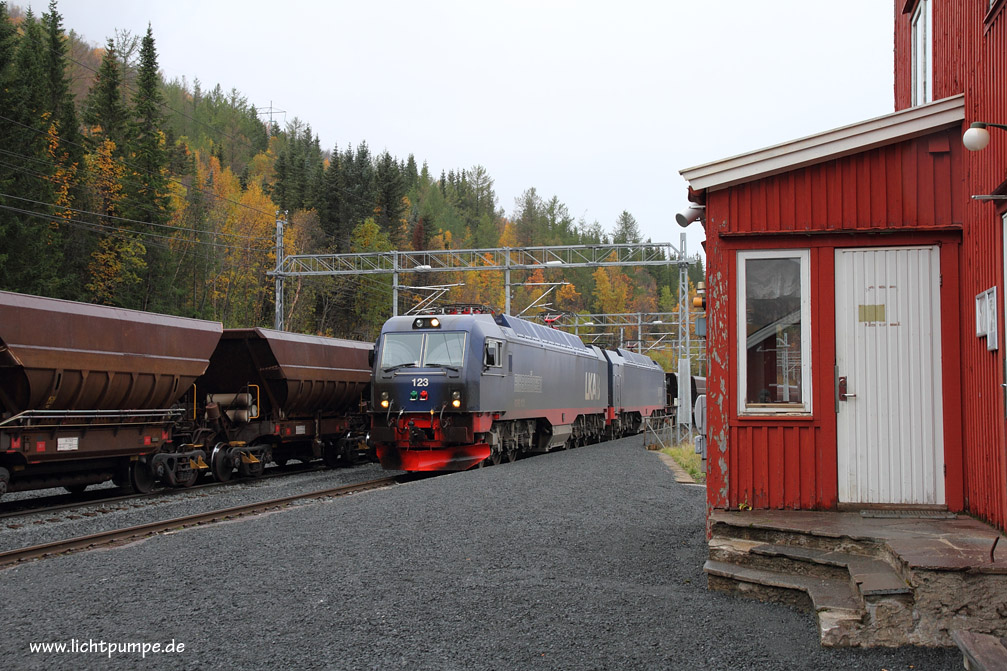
[838, 611]
[822, 540]
[825, 593]
[982, 652]
[873, 577]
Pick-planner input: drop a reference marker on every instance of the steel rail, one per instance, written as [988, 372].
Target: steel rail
[164, 490]
[139, 531]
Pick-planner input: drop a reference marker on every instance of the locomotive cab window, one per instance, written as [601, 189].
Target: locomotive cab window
[406, 350]
[774, 332]
[444, 349]
[493, 354]
[401, 349]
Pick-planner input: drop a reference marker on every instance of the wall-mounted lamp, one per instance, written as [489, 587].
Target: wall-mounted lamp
[689, 215]
[977, 137]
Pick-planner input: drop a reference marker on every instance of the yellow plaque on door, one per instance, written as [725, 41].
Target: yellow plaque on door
[871, 313]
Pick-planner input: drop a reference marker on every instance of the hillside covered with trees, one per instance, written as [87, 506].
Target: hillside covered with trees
[119, 188]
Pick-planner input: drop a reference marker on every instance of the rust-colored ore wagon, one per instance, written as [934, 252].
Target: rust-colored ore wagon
[89, 393]
[280, 396]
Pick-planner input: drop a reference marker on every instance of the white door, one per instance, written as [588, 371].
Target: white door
[888, 376]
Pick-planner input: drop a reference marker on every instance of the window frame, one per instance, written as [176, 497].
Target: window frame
[424, 348]
[806, 406]
[497, 347]
[921, 56]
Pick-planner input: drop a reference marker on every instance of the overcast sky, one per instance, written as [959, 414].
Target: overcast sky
[599, 103]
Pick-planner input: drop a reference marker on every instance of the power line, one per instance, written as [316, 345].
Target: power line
[125, 232]
[130, 165]
[142, 223]
[163, 104]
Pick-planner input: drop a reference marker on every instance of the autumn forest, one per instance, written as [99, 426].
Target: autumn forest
[120, 188]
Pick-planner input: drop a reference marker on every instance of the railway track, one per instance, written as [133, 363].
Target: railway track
[140, 531]
[18, 508]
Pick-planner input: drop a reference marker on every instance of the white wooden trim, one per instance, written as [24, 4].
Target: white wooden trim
[853, 139]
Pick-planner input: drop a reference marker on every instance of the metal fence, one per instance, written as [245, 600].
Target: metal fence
[662, 432]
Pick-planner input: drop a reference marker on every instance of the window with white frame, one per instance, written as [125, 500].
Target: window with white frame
[774, 331]
[922, 52]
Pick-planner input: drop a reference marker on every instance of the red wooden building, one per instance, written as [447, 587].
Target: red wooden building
[856, 292]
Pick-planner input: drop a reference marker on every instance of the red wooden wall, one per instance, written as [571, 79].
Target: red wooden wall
[906, 193]
[970, 57]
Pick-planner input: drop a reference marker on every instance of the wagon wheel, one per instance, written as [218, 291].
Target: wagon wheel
[76, 490]
[280, 461]
[512, 455]
[220, 463]
[141, 478]
[486, 463]
[496, 457]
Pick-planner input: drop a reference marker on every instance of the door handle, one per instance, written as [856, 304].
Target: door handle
[841, 392]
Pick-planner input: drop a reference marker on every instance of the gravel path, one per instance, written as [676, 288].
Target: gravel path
[585, 559]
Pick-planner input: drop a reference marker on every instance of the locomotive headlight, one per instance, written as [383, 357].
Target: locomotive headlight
[456, 399]
[384, 399]
[426, 323]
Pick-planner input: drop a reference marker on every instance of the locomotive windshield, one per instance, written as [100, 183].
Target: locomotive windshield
[401, 350]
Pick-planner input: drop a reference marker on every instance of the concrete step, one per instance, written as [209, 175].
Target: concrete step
[820, 540]
[872, 577]
[838, 611]
[982, 652]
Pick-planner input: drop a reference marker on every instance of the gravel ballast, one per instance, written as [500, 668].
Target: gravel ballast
[584, 559]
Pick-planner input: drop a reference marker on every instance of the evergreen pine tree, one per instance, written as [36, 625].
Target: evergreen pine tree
[32, 239]
[390, 189]
[67, 153]
[626, 230]
[148, 154]
[333, 209]
[149, 161]
[60, 99]
[104, 111]
[410, 173]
